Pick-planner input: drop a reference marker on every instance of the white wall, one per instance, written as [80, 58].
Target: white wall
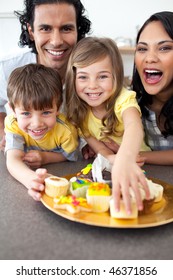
[113, 18]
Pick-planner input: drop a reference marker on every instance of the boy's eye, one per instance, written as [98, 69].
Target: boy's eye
[26, 114]
[46, 113]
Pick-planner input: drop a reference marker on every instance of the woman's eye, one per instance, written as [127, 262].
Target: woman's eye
[141, 49]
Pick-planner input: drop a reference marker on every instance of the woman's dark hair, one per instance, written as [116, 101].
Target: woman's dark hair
[27, 16]
[144, 99]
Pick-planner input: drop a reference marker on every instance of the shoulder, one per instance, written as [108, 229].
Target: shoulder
[63, 122]
[126, 99]
[13, 60]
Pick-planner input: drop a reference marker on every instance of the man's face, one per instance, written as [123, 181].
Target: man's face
[55, 34]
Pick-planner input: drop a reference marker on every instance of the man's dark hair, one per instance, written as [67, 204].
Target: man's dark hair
[27, 16]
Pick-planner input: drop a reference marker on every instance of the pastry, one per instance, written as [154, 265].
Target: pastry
[98, 196]
[56, 186]
[122, 214]
[79, 186]
[72, 204]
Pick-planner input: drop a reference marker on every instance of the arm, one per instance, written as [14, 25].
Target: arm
[99, 147]
[35, 158]
[2, 133]
[158, 157]
[125, 171]
[33, 181]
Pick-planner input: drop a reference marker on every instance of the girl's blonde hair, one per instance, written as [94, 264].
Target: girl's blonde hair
[34, 86]
[88, 51]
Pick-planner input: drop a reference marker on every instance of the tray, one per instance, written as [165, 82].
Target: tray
[156, 214]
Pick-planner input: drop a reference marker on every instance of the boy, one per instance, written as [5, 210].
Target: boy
[35, 133]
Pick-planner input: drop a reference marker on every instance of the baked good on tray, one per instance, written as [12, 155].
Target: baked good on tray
[122, 214]
[72, 204]
[56, 186]
[98, 196]
[79, 186]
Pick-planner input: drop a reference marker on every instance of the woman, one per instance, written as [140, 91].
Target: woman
[153, 82]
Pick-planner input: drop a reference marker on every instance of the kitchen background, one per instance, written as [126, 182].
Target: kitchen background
[118, 19]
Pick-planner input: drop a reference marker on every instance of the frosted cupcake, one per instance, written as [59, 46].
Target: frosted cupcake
[98, 196]
[56, 186]
[79, 186]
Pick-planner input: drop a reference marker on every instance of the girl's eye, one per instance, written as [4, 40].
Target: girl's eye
[82, 77]
[103, 77]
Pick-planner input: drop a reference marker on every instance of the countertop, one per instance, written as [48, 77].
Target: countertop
[30, 231]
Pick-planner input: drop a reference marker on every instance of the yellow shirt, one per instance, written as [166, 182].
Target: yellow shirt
[125, 100]
[62, 138]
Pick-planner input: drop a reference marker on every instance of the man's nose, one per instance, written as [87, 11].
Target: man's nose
[56, 38]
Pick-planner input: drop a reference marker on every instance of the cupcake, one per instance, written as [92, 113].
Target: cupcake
[122, 214]
[56, 186]
[79, 186]
[72, 204]
[98, 196]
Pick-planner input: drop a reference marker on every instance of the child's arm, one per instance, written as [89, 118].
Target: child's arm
[125, 171]
[158, 157]
[99, 147]
[35, 158]
[33, 181]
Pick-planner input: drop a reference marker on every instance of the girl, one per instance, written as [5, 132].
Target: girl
[98, 104]
[153, 82]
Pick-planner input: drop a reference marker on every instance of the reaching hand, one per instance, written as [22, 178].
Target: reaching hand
[126, 175]
[37, 185]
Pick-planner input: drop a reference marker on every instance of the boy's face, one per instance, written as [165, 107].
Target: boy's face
[36, 123]
[55, 34]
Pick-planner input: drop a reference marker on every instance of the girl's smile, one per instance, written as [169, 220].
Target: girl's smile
[94, 83]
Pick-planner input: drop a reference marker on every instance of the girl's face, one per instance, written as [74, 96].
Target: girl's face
[94, 83]
[154, 60]
[36, 123]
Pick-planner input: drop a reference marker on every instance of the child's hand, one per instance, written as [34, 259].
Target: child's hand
[37, 185]
[34, 158]
[126, 174]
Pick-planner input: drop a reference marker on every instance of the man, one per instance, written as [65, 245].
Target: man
[50, 28]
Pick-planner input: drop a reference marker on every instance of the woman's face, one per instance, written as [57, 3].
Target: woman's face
[154, 59]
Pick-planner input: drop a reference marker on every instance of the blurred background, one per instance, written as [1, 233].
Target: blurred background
[118, 19]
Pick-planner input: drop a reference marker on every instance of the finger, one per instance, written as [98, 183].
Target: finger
[35, 195]
[41, 172]
[126, 198]
[116, 196]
